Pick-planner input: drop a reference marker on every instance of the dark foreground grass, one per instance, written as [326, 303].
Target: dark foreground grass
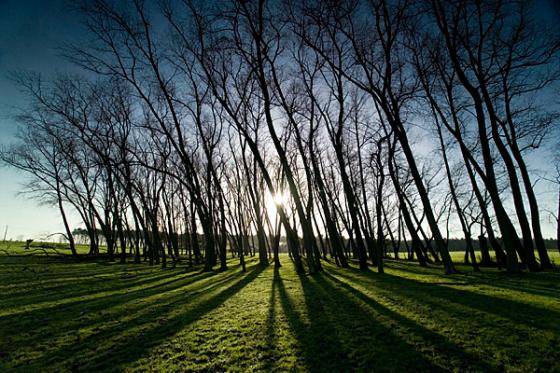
[62, 315]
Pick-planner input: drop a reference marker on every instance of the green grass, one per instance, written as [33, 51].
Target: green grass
[38, 247]
[61, 315]
[458, 256]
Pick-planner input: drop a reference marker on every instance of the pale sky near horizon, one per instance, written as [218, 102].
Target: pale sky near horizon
[30, 31]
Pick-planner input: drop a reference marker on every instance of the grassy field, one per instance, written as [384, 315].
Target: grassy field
[57, 314]
[458, 256]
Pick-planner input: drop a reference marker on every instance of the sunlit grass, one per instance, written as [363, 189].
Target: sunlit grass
[90, 315]
[38, 247]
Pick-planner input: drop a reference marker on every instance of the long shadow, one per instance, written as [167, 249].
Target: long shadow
[54, 279]
[544, 284]
[131, 339]
[63, 291]
[340, 335]
[440, 295]
[49, 268]
[42, 325]
[531, 283]
[77, 271]
[271, 338]
[433, 343]
[109, 300]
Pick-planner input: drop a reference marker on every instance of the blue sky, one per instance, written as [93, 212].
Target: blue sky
[30, 31]
[29, 34]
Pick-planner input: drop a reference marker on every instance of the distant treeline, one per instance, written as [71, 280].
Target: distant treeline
[454, 244]
[459, 244]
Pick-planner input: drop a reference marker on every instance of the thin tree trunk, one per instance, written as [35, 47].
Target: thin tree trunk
[69, 235]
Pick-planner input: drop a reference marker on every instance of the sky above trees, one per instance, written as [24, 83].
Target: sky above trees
[29, 34]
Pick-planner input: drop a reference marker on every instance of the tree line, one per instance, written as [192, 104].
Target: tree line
[344, 130]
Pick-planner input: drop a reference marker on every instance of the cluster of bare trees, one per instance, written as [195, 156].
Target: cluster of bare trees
[385, 122]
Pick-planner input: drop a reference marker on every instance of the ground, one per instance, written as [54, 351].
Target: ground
[59, 315]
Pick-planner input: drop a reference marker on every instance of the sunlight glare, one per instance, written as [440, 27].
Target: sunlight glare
[280, 198]
[273, 201]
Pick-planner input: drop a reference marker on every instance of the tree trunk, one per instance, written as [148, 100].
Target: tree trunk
[69, 235]
[483, 247]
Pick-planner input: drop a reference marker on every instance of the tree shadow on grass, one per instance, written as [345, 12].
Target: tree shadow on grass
[538, 283]
[409, 336]
[114, 298]
[443, 296]
[340, 329]
[130, 339]
[119, 285]
[544, 284]
[50, 294]
[269, 356]
[59, 279]
[48, 332]
[104, 316]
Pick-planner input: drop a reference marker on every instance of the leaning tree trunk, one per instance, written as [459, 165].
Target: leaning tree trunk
[464, 227]
[406, 216]
[511, 239]
[378, 211]
[533, 206]
[65, 220]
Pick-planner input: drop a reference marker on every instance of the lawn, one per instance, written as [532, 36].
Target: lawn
[57, 314]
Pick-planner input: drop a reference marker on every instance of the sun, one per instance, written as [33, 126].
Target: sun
[280, 198]
[274, 201]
